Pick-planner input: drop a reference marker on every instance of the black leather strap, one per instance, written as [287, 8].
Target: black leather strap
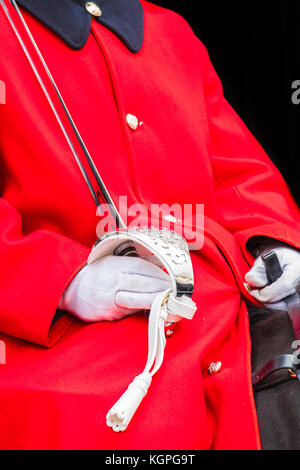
[278, 370]
[286, 366]
[274, 272]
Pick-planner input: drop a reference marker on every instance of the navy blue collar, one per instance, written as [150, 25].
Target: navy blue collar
[72, 23]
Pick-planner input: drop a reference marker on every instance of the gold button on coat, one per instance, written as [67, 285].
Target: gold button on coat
[93, 9]
[132, 121]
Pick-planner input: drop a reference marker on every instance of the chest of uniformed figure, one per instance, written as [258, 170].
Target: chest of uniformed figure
[142, 117]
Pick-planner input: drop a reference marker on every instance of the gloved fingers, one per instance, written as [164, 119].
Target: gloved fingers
[257, 276]
[146, 268]
[143, 283]
[277, 291]
[135, 301]
[90, 312]
[127, 264]
[287, 256]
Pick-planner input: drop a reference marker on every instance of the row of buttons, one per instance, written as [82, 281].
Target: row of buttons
[215, 367]
[95, 10]
[133, 123]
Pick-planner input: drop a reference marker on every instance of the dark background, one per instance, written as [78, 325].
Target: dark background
[255, 48]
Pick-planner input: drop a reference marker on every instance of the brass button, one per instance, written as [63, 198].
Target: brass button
[169, 333]
[93, 9]
[170, 328]
[214, 368]
[248, 287]
[132, 121]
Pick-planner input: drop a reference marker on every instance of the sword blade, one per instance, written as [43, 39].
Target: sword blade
[98, 191]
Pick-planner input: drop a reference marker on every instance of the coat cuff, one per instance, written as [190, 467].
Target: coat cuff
[36, 317]
[62, 320]
[247, 239]
[58, 320]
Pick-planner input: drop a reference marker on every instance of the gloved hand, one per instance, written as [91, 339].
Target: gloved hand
[273, 295]
[112, 288]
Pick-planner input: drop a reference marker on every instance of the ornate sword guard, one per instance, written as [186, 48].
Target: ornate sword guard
[162, 247]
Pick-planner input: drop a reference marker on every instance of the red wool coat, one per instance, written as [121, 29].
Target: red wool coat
[61, 379]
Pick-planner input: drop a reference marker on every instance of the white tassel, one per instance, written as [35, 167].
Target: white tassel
[120, 415]
[122, 412]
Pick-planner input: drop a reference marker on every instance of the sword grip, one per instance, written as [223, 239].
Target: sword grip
[126, 248]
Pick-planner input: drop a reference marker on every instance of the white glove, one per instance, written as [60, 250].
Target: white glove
[114, 287]
[286, 285]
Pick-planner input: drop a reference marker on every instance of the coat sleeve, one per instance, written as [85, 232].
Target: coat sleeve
[35, 270]
[252, 198]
